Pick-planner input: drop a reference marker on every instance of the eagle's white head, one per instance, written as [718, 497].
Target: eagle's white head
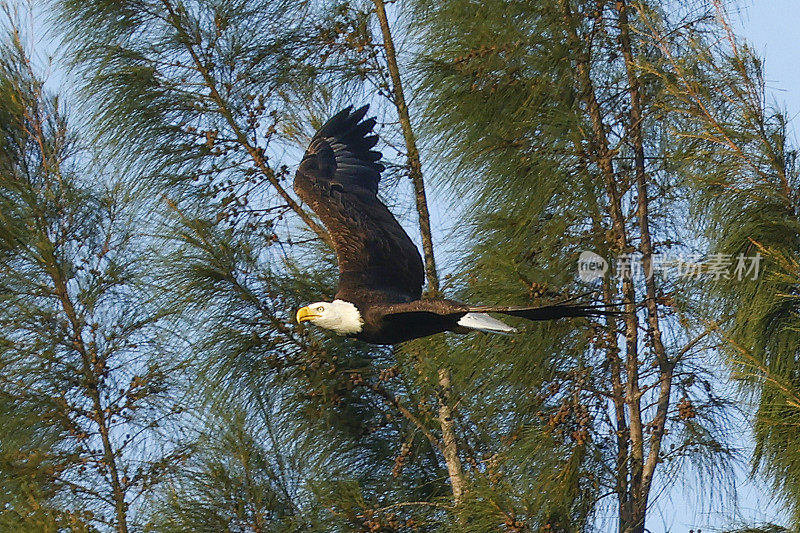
[338, 315]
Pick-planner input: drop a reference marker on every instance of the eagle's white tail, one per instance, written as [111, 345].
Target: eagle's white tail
[484, 322]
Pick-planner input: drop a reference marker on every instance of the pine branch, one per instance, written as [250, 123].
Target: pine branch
[254, 152]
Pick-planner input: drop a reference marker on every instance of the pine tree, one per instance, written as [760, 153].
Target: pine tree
[746, 181]
[86, 380]
[239, 269]
[558, 119]
[564, 128]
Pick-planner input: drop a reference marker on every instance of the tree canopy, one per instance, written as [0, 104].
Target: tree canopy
[153, 254]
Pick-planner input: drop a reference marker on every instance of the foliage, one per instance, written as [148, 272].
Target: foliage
[745, 174]
[147, 331]
[81, 342]
[565, 170]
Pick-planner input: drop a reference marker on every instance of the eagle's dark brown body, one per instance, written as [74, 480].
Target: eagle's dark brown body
[380, 269]
[386, 323]
[393, 329]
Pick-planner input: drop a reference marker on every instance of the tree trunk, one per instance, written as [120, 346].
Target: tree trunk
[449, 442]
[633, 505]
[646, 249]
[414, 164]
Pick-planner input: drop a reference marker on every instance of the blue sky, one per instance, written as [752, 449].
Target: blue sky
[773, 29]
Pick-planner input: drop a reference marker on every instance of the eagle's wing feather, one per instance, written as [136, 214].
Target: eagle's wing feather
[338, 178]
[547, 312]
[435, 306]
[541, 312]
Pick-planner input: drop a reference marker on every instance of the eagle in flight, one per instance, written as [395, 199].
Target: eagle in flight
[380, 269]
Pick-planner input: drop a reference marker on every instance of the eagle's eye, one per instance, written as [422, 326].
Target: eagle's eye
[321, 308]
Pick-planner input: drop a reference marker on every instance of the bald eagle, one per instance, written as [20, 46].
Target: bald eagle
[380, 270]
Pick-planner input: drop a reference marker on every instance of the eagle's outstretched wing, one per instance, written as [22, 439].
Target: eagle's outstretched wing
[338, 178]
[440, 307]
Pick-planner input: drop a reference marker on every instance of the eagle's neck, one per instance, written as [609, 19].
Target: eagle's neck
[348, 318]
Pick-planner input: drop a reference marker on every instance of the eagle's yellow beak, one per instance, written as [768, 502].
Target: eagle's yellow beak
[305, 314]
